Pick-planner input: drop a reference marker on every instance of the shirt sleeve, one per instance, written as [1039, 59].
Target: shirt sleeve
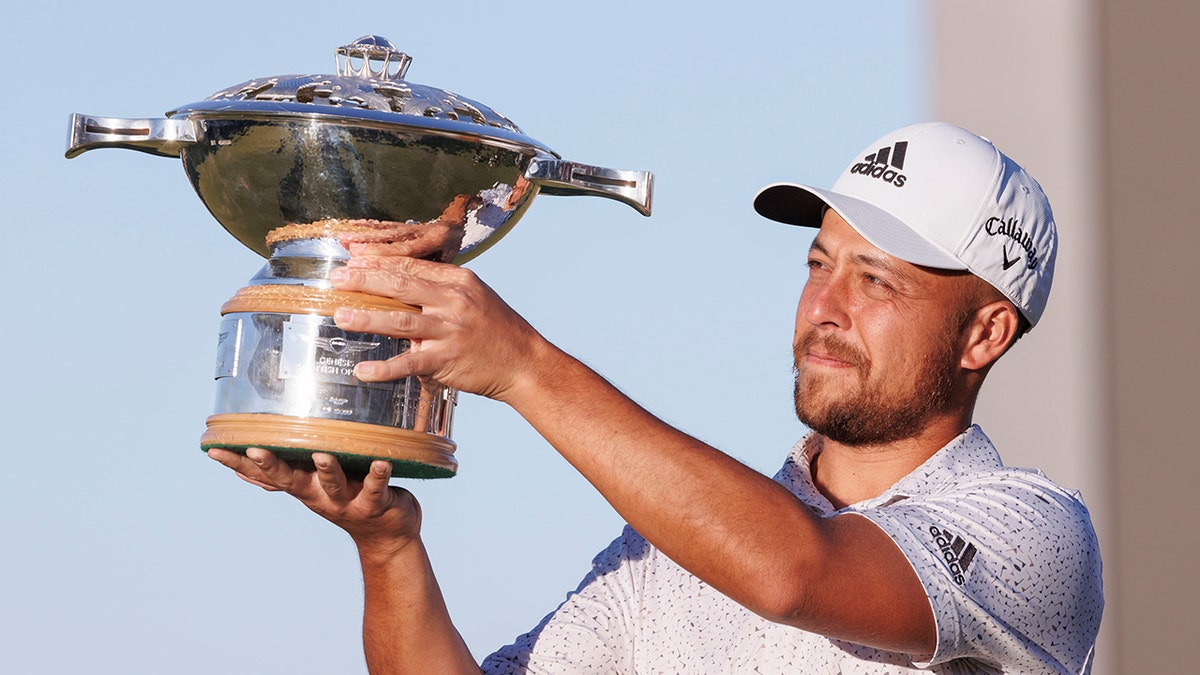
[1011, 566]
[590, 632]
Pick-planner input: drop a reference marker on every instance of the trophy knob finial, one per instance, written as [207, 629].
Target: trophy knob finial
[372, 57]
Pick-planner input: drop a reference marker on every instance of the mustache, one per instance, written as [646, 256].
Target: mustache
[832, 346]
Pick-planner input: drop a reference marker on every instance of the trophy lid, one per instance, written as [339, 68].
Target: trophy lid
[369, 84]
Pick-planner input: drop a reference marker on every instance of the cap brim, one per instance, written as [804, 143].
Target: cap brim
[804, 206]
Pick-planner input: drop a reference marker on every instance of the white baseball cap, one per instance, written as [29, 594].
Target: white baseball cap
[939, 196]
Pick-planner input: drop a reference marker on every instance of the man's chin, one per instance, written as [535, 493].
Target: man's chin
[814, 408]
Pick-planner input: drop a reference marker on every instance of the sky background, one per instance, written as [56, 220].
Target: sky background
[126, 550]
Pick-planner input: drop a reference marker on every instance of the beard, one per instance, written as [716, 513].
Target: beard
[878, 411]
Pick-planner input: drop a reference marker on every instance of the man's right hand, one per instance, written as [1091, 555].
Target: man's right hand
[381, 519]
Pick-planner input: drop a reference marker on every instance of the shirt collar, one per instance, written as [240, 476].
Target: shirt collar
[969, 452]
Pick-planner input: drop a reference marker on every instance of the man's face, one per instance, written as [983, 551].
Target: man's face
[877, 341]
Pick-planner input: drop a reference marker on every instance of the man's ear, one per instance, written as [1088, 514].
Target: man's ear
[989, 333]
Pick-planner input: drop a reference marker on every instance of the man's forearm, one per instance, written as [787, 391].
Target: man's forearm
[406, 626]
[728, 524]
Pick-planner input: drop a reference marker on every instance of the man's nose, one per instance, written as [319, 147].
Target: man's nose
[826, 303]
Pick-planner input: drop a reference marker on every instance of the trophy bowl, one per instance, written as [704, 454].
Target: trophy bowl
[296, 166]
[361, 144]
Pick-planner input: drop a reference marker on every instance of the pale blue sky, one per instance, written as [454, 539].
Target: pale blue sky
[127, 551]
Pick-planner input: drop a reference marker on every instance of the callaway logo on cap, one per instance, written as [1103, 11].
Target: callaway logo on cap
[939, 196]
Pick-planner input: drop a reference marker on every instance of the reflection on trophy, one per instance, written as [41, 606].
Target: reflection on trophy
[297, 167]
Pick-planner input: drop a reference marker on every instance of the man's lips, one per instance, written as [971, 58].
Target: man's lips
[828, 360]
[828, 352]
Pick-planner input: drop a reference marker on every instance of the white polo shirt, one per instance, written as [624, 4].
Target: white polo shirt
[1008, 559]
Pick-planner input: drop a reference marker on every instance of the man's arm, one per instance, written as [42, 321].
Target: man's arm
[732, 527]
[406, 627]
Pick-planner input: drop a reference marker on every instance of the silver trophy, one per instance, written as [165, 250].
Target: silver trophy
[294, 166]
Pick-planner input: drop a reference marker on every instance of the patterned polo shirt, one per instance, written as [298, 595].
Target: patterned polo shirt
[1009, 561]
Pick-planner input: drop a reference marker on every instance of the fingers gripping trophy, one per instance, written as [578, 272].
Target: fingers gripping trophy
[303, 169]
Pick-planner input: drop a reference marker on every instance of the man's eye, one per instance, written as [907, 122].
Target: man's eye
[877, 282]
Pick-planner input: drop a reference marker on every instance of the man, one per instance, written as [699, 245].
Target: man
[892, 539]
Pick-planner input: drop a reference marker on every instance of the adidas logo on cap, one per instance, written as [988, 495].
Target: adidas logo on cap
[885, 164]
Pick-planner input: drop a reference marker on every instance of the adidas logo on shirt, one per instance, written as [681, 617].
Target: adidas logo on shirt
[956, 551]
[884, 164]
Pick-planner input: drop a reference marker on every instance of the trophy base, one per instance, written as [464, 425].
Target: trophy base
[412, 454]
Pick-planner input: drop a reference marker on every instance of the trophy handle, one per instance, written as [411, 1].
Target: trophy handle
[560, 177]
[164, 137]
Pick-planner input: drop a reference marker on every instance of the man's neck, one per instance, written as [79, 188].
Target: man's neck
[847, 474]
